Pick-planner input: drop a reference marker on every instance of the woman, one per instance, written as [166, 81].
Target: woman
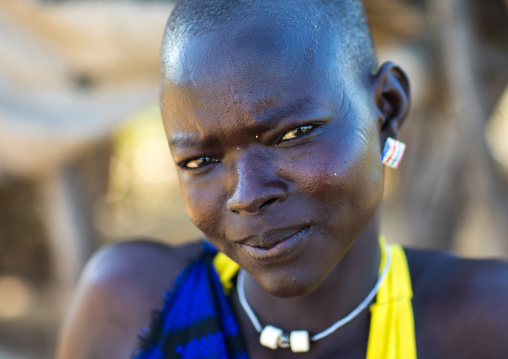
[277, 116]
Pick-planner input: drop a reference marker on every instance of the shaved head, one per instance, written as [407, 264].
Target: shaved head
[275, 112]
[319, 30]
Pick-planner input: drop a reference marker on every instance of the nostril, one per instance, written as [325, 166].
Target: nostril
[267, 203]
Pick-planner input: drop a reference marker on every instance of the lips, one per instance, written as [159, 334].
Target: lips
[275, 244]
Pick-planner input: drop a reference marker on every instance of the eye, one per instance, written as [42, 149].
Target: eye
[199, 163]
[297, 132]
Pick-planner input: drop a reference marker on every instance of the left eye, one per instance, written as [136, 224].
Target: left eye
[297, 132]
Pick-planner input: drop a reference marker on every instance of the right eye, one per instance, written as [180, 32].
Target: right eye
[199, 162]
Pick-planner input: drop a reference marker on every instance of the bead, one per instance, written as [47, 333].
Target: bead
[270, 336]
[392, 152]
[283, 341]
[299, 340]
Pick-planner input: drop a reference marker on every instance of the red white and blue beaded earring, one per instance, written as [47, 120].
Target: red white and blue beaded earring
[393, 152]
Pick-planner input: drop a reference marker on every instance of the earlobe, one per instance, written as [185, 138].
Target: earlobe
[392, 97]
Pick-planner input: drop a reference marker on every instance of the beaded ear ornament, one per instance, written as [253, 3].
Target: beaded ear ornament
[393, 152]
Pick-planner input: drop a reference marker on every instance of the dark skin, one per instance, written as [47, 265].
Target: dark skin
[272, 149]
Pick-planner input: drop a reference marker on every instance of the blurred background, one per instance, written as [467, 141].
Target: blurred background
[84, 161]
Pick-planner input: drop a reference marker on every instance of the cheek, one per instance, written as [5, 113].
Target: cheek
[202, 203]
[343, 173]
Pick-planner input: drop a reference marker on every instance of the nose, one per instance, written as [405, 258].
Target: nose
[257, 187]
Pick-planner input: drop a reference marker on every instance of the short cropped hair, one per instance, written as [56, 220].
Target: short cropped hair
[343, 21]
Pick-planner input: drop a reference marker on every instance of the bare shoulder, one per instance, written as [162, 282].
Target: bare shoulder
[461, 305]
[120, 287]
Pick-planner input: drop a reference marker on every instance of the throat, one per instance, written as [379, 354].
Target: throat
[337, 309]
[348, 342]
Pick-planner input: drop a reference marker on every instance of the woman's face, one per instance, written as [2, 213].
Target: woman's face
[278, 161]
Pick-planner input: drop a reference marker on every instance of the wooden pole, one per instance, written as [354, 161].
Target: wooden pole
[455, 29]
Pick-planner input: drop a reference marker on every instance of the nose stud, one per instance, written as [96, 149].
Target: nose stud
[393, 152]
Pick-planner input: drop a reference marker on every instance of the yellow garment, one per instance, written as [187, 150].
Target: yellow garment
[226, 269]
[391, 333]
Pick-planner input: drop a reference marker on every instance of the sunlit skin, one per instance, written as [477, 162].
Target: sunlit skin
[270, 145]
[278, 138]
[247, 169]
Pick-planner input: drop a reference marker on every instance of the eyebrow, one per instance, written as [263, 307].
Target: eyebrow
[270, 115]
[265, 119]
[184, 140]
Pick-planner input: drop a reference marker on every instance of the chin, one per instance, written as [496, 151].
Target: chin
[284, 287]
[289, 292]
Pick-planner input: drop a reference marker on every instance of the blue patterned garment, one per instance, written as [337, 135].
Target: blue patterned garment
[196, 321]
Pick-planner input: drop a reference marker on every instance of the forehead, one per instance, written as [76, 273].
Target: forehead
[246, 67]
[256, 42]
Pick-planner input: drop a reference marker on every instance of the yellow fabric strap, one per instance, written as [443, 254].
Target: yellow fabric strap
[391, 327]
[226, 268]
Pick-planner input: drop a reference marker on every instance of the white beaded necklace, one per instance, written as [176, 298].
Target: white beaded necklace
[298, 340]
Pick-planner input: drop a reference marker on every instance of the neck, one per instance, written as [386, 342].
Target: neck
[343, 290]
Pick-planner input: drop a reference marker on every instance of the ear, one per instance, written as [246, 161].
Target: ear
[392, 97]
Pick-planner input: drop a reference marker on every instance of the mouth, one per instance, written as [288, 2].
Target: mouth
[275, 244]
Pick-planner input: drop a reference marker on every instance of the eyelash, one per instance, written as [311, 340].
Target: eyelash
[297, 132]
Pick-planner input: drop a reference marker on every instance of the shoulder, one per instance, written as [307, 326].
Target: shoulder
[145, 263]
[461, 304]
[120, 287]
